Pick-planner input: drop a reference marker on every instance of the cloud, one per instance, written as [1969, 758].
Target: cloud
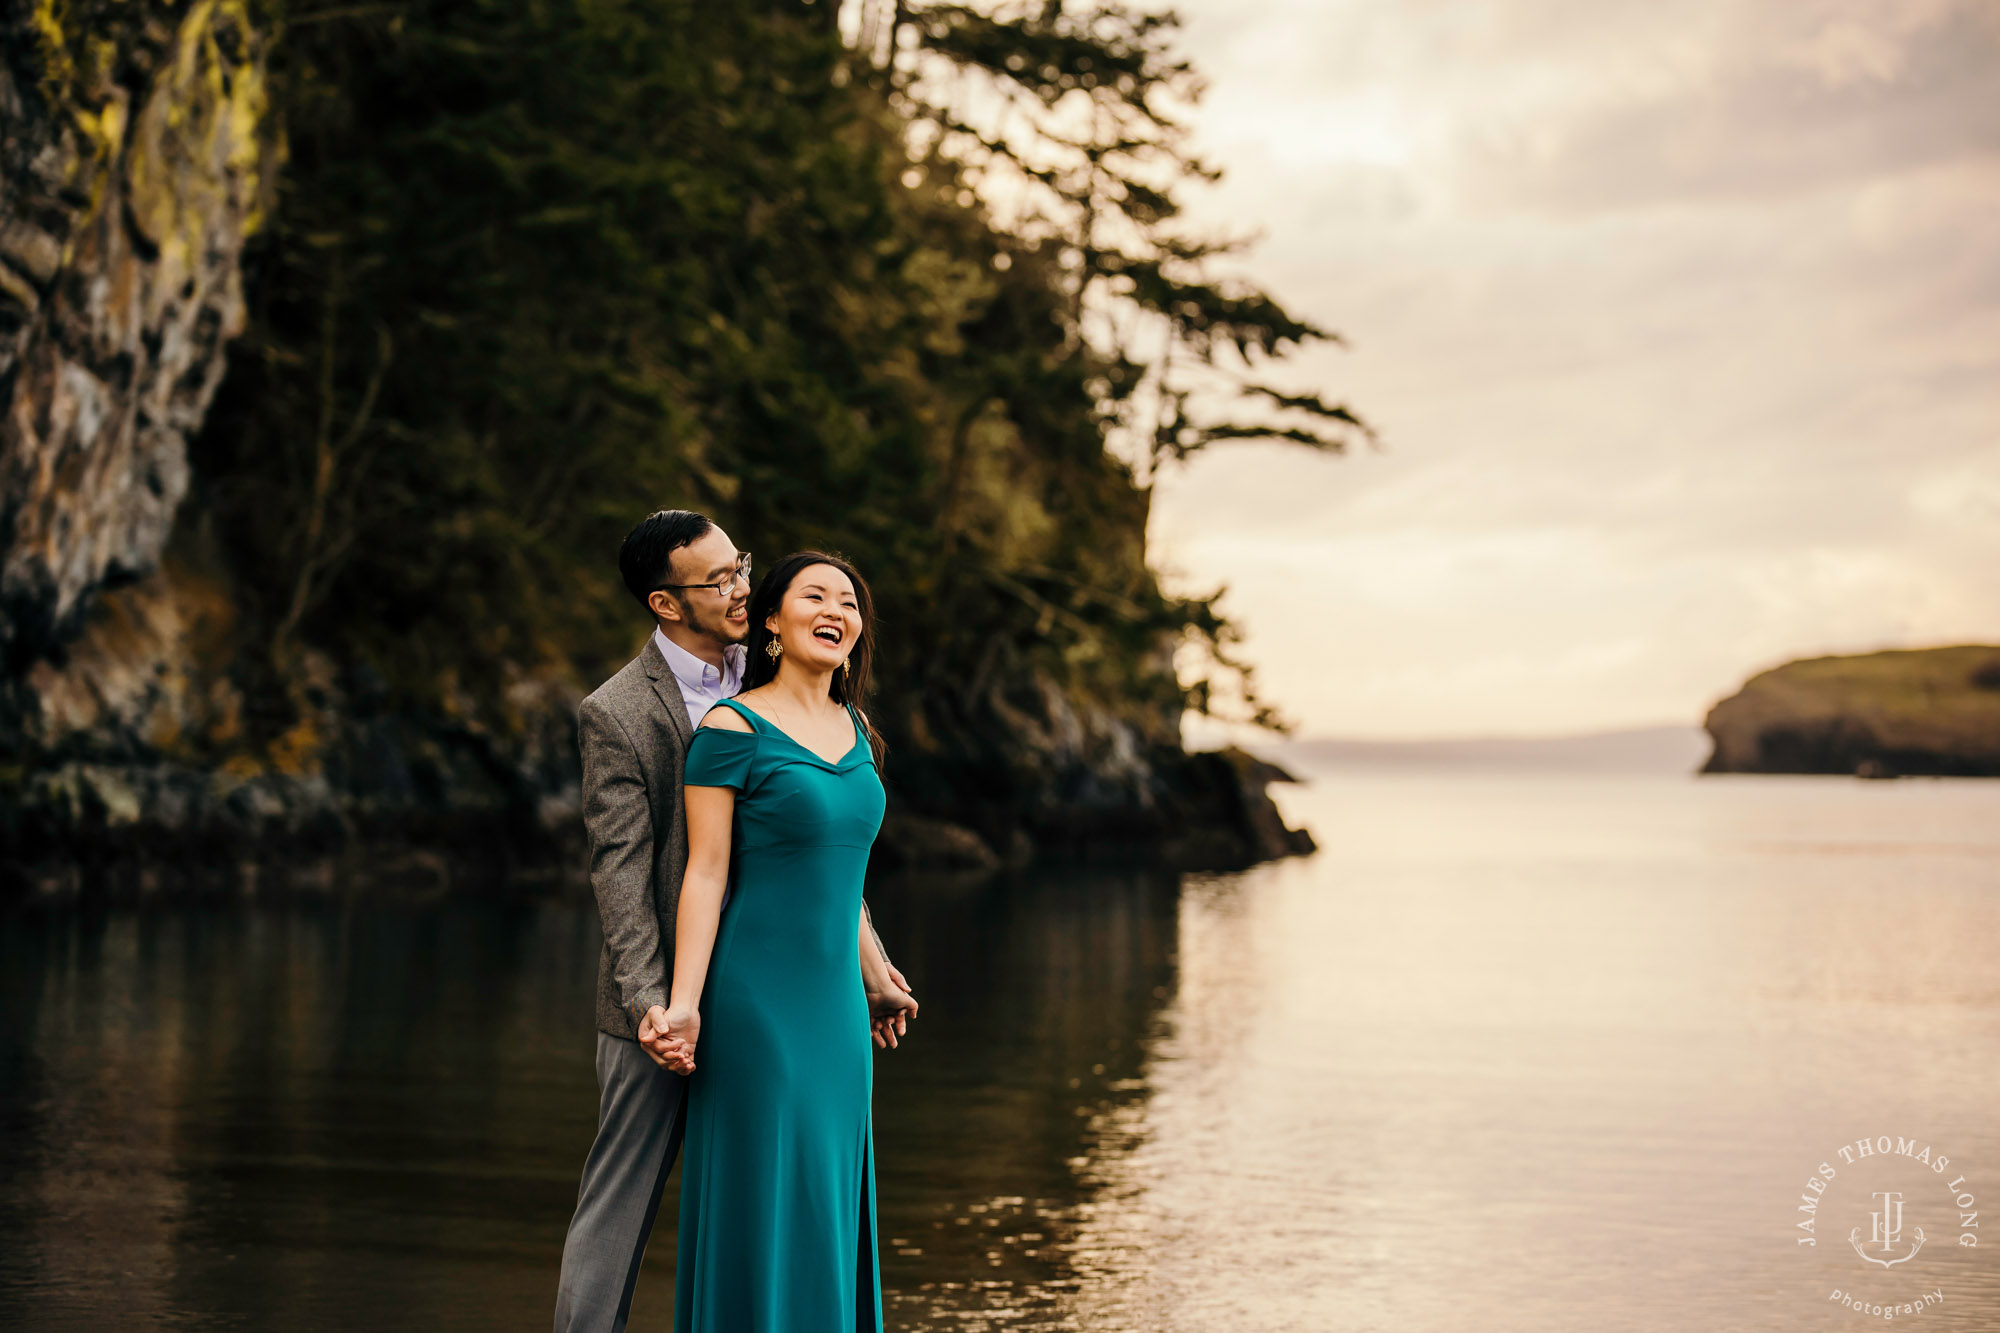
[1682, 325]
[1794, 101]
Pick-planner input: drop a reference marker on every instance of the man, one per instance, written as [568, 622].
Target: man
[634, 732]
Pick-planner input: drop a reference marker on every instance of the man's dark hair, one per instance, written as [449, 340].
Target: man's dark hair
[646, 559]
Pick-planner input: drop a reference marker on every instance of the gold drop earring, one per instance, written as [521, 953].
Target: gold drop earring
[775, 649]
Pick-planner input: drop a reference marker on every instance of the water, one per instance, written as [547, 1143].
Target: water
[1514, 1052]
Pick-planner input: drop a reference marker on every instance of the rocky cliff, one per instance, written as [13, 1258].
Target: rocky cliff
[1932, 711]
[137, 159]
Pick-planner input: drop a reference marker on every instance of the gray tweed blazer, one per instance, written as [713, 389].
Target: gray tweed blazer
[633, 731]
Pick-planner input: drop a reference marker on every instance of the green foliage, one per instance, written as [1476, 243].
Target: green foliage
[541, 267]
[1072, 111]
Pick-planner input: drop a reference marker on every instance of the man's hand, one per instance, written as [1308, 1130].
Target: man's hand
[890, 1011]
[669, 1038]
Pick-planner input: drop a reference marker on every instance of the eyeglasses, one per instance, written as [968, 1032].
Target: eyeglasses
[721, 587]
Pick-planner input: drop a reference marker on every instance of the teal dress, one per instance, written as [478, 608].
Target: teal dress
[777, 1231]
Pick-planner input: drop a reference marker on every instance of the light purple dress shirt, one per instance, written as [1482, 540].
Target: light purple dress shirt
[702, 686]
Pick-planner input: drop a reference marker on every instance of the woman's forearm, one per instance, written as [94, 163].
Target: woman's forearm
[709, 814]
[874, 967]
[695, 924]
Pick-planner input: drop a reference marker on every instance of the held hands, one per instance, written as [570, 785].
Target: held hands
[669, 1036]
[890, 1010]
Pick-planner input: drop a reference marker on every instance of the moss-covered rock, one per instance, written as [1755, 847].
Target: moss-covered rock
[136, 161]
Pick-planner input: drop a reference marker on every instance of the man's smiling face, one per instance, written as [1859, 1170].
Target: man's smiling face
[711, 560]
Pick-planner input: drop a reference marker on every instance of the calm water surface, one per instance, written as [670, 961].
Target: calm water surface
[1513, 1052]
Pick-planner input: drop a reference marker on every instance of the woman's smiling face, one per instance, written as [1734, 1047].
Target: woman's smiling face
[819, 620]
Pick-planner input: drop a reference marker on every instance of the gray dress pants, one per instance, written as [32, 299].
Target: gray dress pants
[639, 1128]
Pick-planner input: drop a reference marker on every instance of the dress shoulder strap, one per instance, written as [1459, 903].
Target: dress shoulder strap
[742, 710]
[860, 729]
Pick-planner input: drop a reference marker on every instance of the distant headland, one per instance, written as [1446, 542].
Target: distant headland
[1915, 712]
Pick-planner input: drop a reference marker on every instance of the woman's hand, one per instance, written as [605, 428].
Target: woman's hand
[889, 1013]
[683, 1029]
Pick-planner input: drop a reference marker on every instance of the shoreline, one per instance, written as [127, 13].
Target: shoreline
[136, 832]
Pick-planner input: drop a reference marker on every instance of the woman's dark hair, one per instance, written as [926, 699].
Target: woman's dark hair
[646, 559]
[851, 686]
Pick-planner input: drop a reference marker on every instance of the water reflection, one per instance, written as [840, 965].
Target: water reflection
[1037, 1006]
[1524, 1053]
[1533, 1054]
[323, 1115]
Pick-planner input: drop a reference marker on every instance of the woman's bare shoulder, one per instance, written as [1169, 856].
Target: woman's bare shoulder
[725, 719]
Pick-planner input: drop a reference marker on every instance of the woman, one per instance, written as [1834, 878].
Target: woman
[778, 993]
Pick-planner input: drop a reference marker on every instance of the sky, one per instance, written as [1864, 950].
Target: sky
[1680, 324]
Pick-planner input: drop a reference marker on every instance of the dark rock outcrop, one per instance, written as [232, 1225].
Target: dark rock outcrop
[1063, 779]
[1917, 712]
[132, 735]
[131, 752]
